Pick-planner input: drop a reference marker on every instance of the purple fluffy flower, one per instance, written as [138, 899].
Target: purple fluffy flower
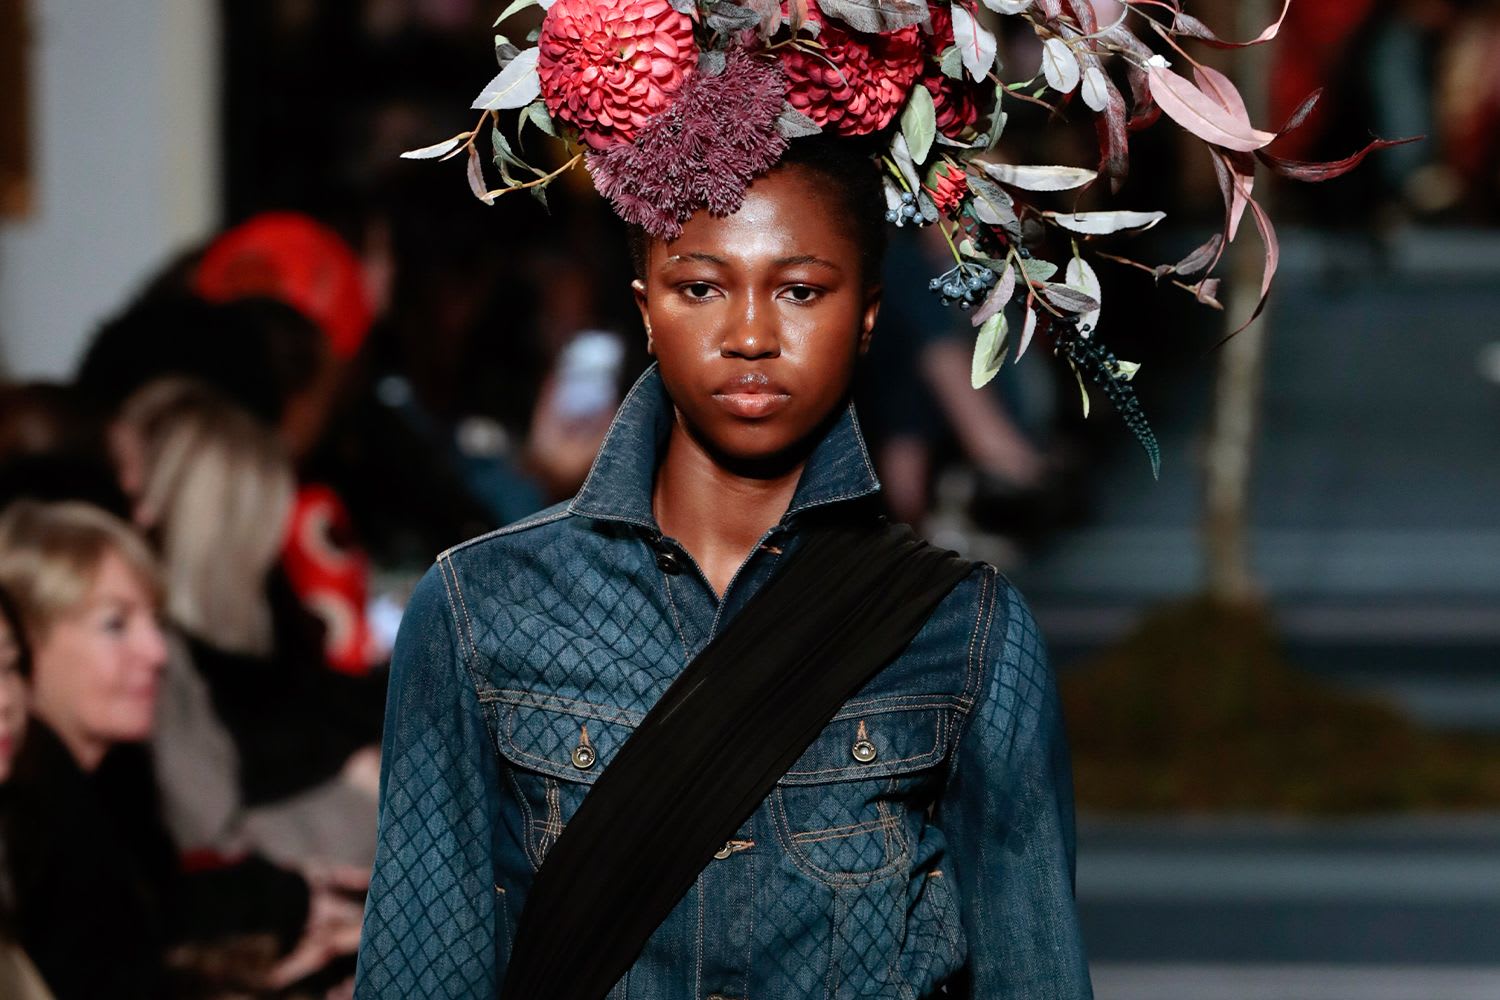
[717, 135]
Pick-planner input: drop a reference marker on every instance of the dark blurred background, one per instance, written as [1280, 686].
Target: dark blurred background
[1239, 837]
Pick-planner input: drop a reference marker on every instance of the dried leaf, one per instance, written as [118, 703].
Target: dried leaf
[1200, 114]
[1114, 138]
[1038, 177]
[1103, 223]
[1302, 170]
[998, 297]
[1201, 259]
[1028, 330]
[976, 46]
[1191, 27]
[1059, 66]
[876, 15]
[919, 123]
[517, 85]
[476, 178]
[1299, 117]
[989, 351]
[770, 15]
[437, 149]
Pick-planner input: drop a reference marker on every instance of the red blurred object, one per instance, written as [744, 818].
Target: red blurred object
[293, 258]
[1309, 49]
[330, 575]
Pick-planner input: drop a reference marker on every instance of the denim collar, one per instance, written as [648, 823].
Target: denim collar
[618, 487]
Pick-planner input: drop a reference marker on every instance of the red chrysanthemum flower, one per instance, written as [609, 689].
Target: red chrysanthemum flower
[948, 190]
[608, 65]
[701, 152]
[857, 82]
[956, 101]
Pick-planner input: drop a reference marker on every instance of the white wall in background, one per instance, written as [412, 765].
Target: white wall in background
[126, 147]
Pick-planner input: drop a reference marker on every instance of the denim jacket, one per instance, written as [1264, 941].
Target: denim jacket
[924, 838]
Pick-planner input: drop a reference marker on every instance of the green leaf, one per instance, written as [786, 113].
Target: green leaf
[952, 63]
[1081, 388]
[540, 194]
[919, 123]
[517, 85]
[1037, 269]
[536, 113]
[874, 16]
[989, 351]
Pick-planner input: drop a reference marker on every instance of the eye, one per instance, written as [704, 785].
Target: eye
[697, 290]
[802, 293]
[115, 624]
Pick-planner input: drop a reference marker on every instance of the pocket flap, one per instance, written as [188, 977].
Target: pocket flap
[573, 743]
[874, 744]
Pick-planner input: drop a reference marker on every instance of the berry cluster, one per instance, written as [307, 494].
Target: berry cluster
[965, 284]
[1093, 359]
[909, 211]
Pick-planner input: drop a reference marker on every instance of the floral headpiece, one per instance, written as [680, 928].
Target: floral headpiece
[676, 105]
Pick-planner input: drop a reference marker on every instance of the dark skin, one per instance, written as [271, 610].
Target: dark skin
[756, 321]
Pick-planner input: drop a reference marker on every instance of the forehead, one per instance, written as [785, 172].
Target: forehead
[786, 214]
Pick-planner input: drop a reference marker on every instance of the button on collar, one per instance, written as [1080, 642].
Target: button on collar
[669, 561]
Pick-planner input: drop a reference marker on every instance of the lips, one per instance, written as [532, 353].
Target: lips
[751, 395]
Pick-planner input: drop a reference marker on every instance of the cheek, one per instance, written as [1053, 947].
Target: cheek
[87, 676]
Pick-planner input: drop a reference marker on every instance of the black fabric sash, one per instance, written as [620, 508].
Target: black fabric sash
[836, 610]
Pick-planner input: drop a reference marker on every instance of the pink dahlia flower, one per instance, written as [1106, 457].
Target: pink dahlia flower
[955, 101]
[701, 152]
[608, 65]
[858, 82]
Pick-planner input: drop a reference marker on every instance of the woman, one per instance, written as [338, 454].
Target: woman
[18, 977]
[255, 737]
[99, 891]
[925, 836]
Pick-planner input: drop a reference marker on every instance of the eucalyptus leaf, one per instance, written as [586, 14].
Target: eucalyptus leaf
[1040, 178]
[1104, 223]
[517, 85]
[793, 124]
[989, 351]
[976, 45]
[875, 16]
[951, 62]
[919, 123]
[1068, 299]
[1081, 276]
[1028, 330]
[515, 5]
[998, 297]
[437, 149]
[1059, 66]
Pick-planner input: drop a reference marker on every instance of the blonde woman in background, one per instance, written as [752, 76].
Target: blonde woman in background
[255, 748]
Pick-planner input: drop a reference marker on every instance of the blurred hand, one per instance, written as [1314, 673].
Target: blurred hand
[334, 914]
[560, 448]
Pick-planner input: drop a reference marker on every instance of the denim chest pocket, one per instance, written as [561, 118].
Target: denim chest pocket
[846, 812]
[556, 749]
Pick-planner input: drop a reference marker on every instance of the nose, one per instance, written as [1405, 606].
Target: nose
[151, 646]
[754, 332]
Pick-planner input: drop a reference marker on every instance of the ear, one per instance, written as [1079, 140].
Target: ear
[867, 320]
[639, 288]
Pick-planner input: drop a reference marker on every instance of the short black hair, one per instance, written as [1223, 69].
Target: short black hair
[852, 172]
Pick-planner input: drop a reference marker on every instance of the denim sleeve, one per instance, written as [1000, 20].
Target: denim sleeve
[1007, 814]
[430, 924]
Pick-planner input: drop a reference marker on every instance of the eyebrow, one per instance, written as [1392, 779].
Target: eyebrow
[708, 258]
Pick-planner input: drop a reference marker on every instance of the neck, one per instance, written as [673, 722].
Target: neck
[87, 753]
[717, 512]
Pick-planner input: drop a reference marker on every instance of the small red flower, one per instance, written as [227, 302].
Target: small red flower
[948, 190]
[857, 82]
[956, 101]
[608, 65]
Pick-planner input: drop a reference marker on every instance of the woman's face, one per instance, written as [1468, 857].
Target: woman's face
[96, 670]
[756, 319]
[12, 701]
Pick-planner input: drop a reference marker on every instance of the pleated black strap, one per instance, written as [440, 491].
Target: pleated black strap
[839, 608]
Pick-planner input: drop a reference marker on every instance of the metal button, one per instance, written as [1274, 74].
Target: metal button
[723, 852]
[583, 757]
[863, 751]
[669, 561]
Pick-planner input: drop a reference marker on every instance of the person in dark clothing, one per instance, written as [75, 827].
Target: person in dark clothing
[99, 891]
